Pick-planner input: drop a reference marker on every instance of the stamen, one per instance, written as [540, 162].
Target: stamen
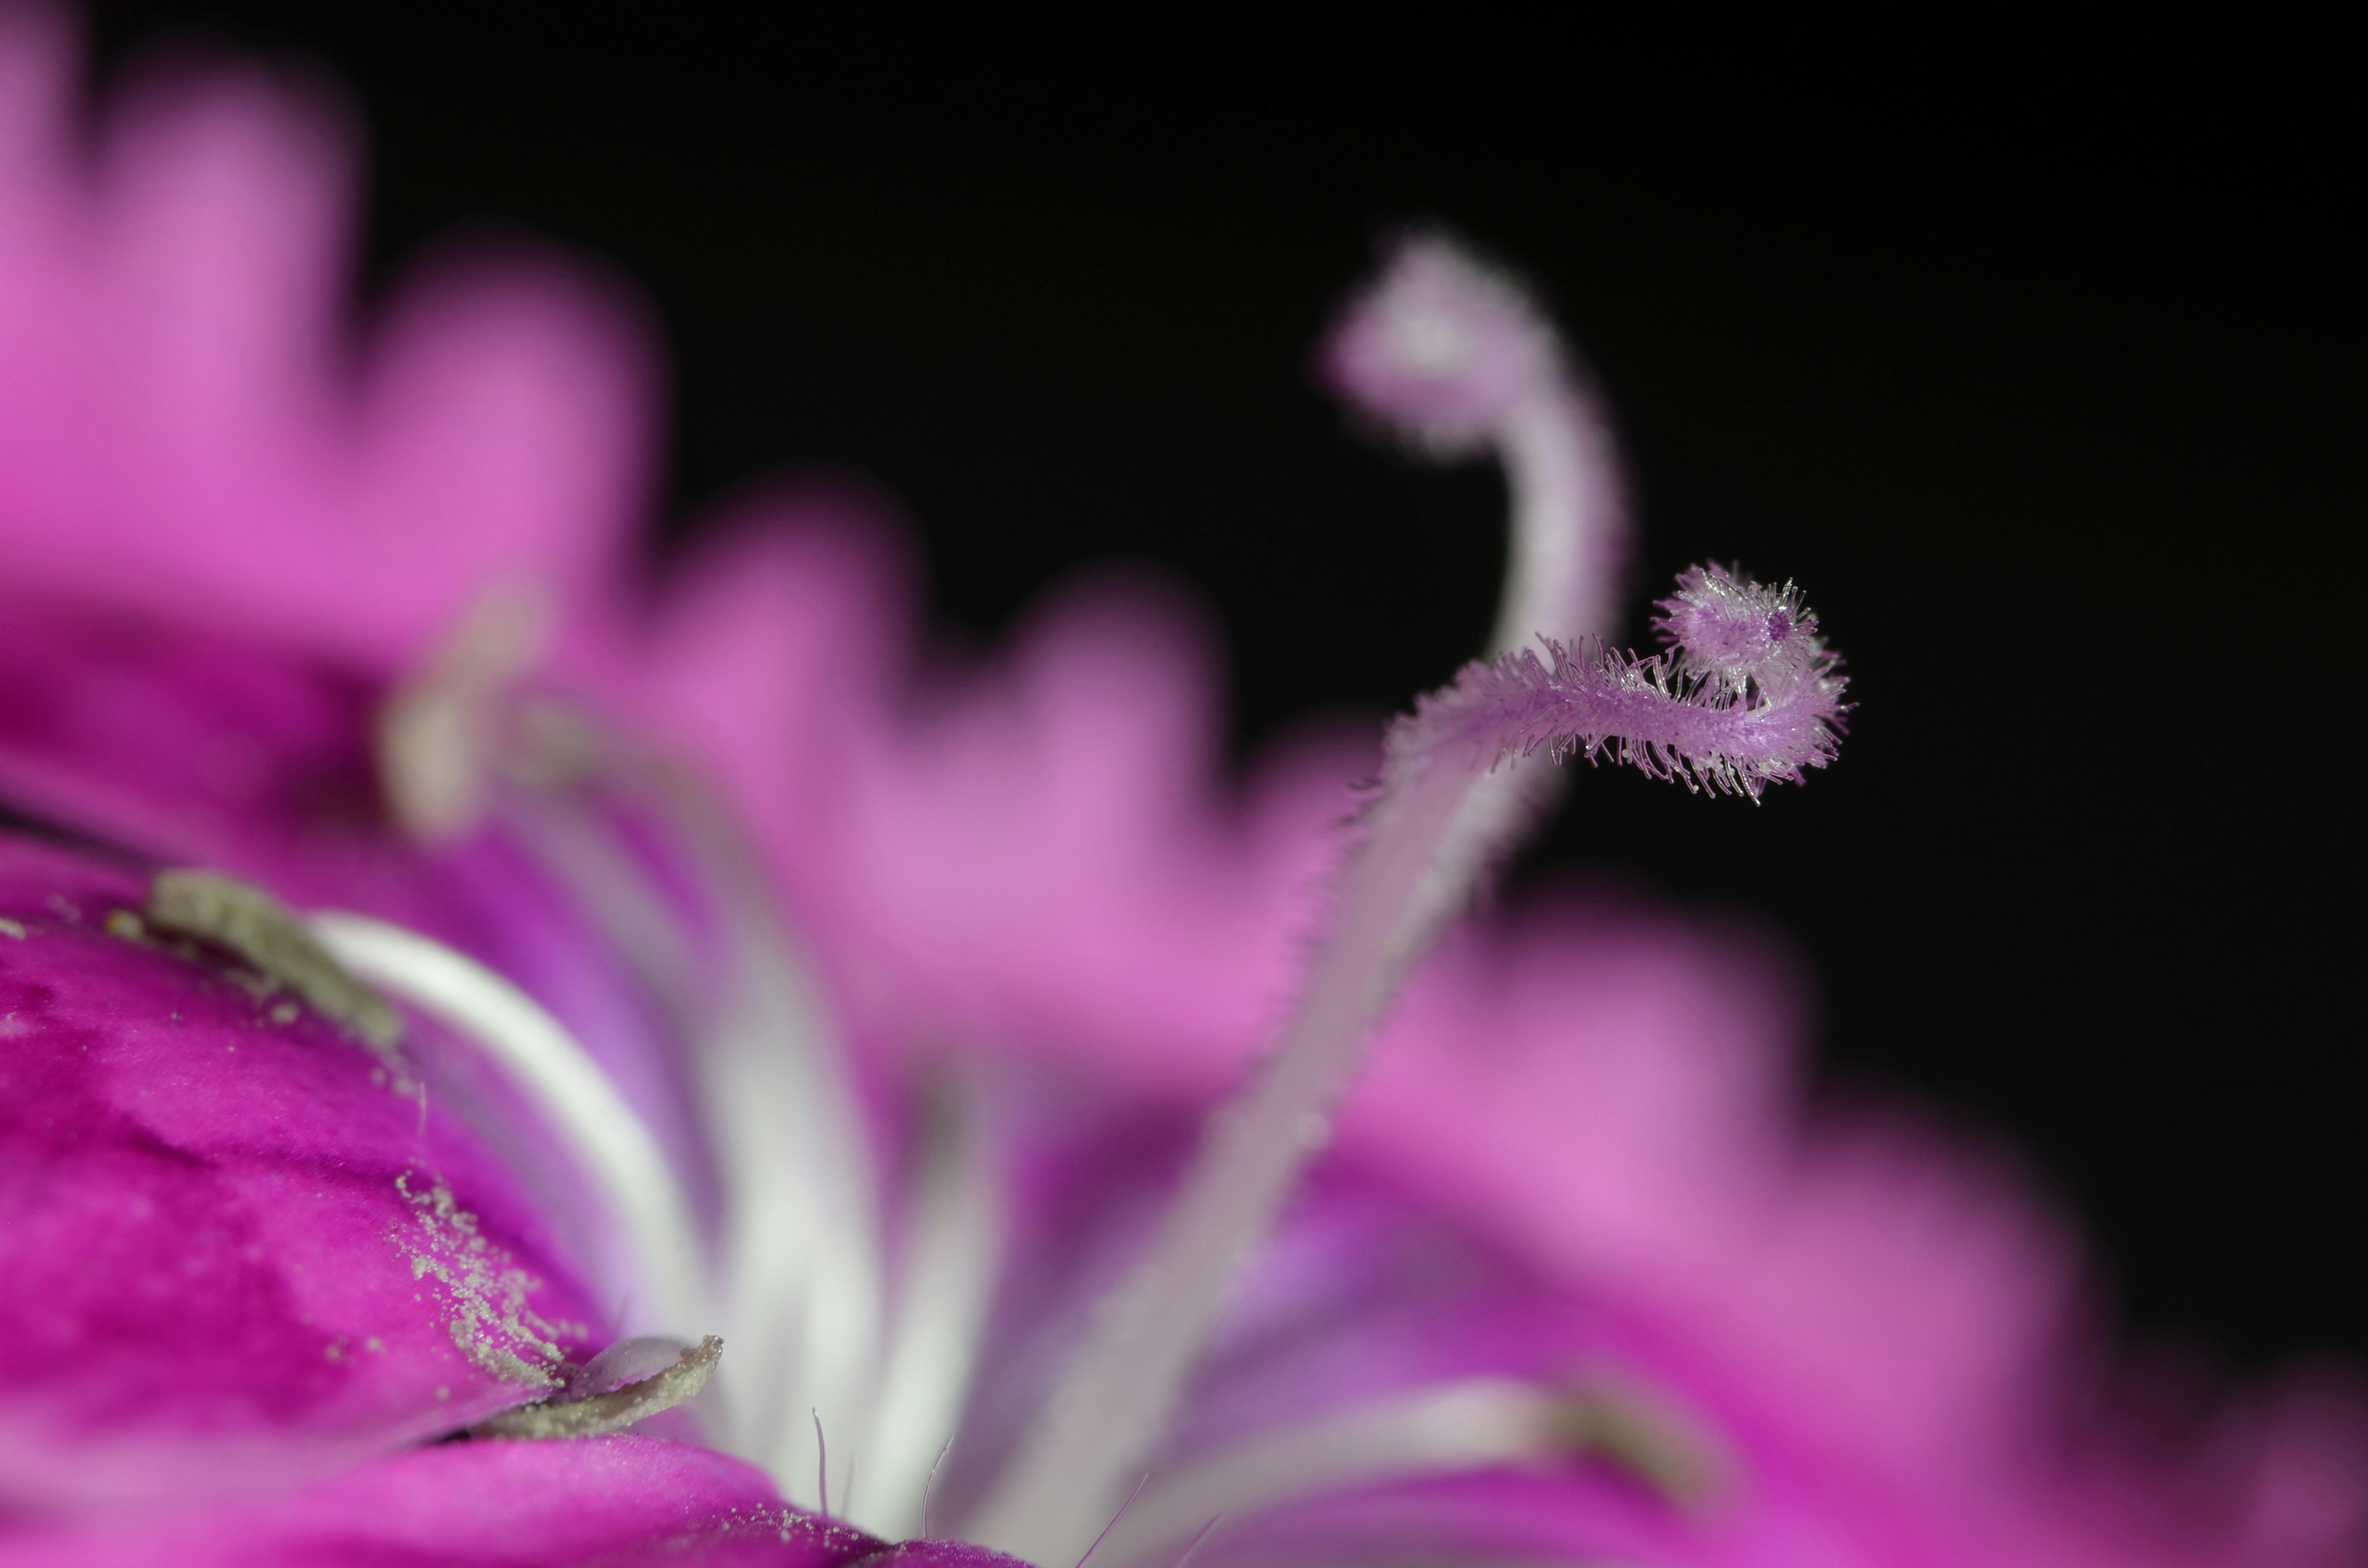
[596, 1415]
[1675, 715]
[1479, 1423]
[247, 921]
[944, 1291]
[626, 1361]
[436, 733]
[613, 1146]
[804, 1266]
[802, 1273]
[645, 928]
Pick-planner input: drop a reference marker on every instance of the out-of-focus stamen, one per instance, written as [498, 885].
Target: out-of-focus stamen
[800, 1268]
[614, 1148]
[436, 731]
[1474, 1424]
[802, 1265]
[944, 1291]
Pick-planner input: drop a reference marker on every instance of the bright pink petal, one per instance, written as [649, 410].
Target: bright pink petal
[183, 429]
[594, 1503]
[241, 1250]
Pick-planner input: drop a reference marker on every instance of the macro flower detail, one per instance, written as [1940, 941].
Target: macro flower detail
[1643, 712]
[242, 1251]
[1115, 1402]
[504, 1061]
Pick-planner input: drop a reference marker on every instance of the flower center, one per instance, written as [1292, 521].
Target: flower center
[798, 1283]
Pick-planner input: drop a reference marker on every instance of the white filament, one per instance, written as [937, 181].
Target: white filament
[802, 1259]
[944, 1291]
[1477, 1424]
[614, 1149]
[610, 886]
[434, 741]
[801, 1267]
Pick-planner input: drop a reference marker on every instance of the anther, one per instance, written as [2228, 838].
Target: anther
[437, 732]
[596, 1415]
[245, 920]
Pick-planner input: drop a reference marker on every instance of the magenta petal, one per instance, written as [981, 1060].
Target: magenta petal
[200, 748]
[1038, 854]
[181, 743]
[939, 1554]
[181, 432]
[605, 1501]
[242, 1251]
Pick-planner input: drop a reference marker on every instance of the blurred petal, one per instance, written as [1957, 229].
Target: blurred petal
[183, 430]
[594, 1503]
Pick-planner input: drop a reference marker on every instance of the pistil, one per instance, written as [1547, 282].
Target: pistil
[1453, 358]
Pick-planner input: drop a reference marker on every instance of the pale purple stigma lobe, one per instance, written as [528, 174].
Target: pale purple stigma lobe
[1728, 709]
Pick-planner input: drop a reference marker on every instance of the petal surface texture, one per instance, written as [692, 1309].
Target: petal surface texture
[242, 1251]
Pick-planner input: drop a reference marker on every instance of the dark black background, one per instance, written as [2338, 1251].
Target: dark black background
[2039, 367]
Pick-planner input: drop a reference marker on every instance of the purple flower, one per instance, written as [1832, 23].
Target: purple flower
[585, 973]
